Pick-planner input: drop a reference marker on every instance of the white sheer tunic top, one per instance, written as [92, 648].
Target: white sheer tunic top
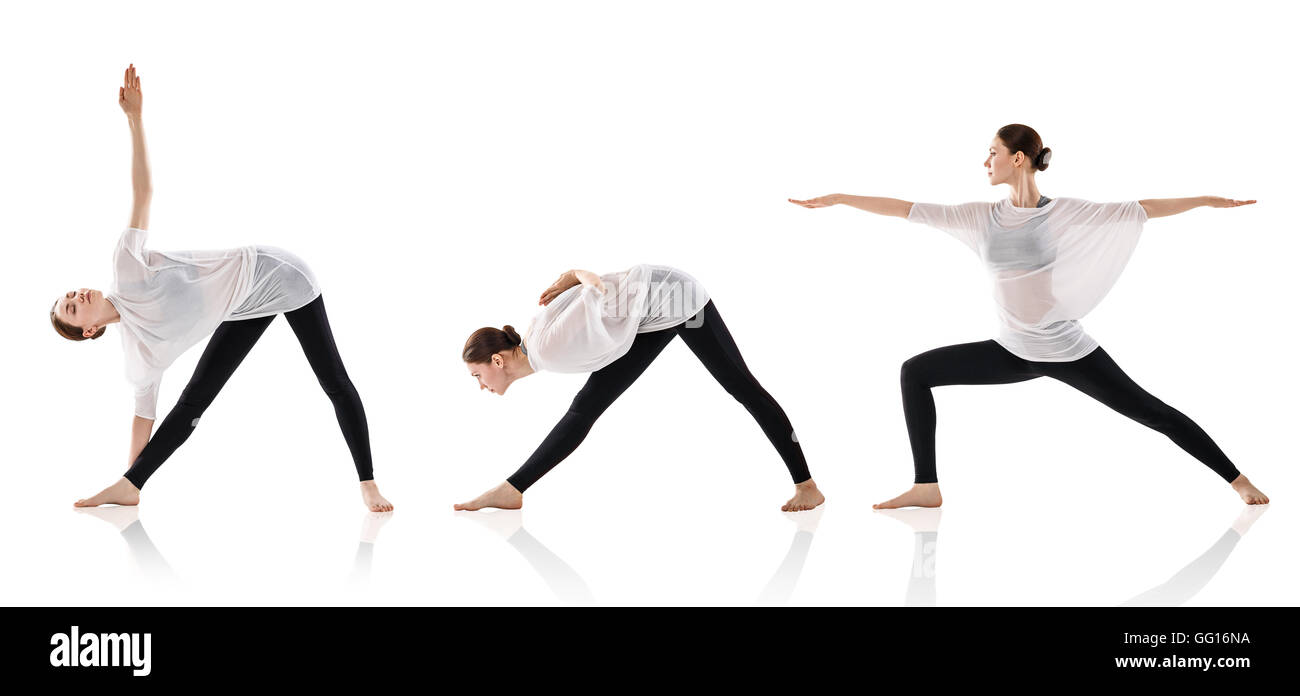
[169, 300]
[1049, 265]
[583, 330]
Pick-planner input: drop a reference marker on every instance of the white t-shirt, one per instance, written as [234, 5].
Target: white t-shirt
[1049, 265]
[583, 330]
[169, 300]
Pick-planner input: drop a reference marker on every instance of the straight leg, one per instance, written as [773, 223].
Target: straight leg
[312, 327]
[713, 345]
[1097, 375]
[225, 350]
[602, 388]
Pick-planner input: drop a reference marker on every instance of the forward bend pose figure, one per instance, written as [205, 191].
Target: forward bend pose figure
[1051, 261]
[166, 301]
[613, 326]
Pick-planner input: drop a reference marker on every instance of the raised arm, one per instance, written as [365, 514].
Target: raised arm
[1161, 207]
[569, 279]
[129, 98]
[879, 206]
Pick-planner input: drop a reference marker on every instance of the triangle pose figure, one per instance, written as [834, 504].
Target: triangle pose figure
[164, 302]
[613, 326]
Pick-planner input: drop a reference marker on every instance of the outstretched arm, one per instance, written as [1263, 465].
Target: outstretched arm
[567, 280]
[1161, 207]
[129, 98]
[879, 206]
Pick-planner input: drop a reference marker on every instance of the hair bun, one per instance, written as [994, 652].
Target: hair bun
[512, 335]
[1044, 158]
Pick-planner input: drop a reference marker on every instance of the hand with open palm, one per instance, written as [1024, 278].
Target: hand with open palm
[566, 280]
[128, 95]
[819, 202]
[1217, 202]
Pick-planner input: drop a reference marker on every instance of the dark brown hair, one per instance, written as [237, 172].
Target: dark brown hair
[487, 341]
[69, 331]
[1021, 138]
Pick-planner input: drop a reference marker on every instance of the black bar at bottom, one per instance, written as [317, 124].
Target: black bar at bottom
[675, 647]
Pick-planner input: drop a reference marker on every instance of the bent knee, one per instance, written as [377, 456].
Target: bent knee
[913, 372]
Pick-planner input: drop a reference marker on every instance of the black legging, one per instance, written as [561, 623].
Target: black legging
[1095, 374]
[226, 349]
[708, 338]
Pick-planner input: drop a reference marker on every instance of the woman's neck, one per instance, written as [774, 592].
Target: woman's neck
[1024, 192]
[114, 316]
[521, 367]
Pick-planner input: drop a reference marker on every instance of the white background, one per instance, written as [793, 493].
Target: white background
[438, 164]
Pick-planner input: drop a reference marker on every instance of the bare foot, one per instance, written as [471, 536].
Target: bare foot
[372, 499]
[806, 497]
[1248, 491]
[504, 496]
[924, 495]
[121, 493]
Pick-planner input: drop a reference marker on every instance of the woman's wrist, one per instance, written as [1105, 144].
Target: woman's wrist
[590, 280]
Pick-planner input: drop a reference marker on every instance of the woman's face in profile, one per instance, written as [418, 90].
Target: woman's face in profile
[998, 164]
[82, 308]
[491, 375]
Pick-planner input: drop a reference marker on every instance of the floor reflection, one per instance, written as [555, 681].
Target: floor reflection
[1180, 588]
[144, 555]
[1187, 582]
[371, 524]
[780, 588]
[924, 523]
[150, 562]
[563, 580]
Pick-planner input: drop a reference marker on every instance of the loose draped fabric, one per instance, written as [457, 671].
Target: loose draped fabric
[1049, 265]
[584, 330]
[169, 300]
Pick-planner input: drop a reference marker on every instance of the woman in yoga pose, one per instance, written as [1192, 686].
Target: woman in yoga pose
[1051, 261]
[614, 326]
[166, 301]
